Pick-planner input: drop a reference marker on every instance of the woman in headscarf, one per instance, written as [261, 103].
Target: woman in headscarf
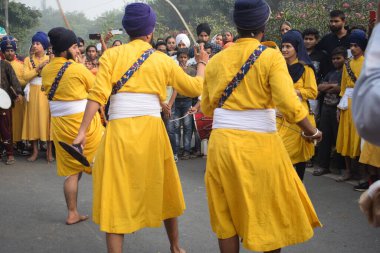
[348, 140]
[305, 85]
[253, 190]
[218, 39]
[37, 116]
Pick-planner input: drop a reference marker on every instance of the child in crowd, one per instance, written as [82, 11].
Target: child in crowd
[329, 89]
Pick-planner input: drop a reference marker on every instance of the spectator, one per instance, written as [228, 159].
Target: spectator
[92, 59]
[338, 36]
[330, 89]
[117, 43]
[82, 57]
[182, 106]
[318, 58]
[218, 39]
[161, 46]
[285, 27]
[171, 46]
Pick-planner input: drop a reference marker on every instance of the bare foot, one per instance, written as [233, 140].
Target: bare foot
[177, 250]
[76, 219]
[49, 156]
[33, 157]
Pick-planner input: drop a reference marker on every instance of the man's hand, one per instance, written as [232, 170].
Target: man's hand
[370, 206]
[337, 115]
[41, 66]
[109, 35]
[323, 87]
[192, 110]
[19, 98]
[80, 139]
[166, 109]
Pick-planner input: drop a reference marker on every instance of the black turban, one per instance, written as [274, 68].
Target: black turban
[62, 39]
[204, 27]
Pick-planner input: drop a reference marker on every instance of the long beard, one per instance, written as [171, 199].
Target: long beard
[69, 56]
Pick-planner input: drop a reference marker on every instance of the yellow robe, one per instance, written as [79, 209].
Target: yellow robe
[135, 179]
[19, 108]
[37, 116]
[348, 139]
[74, 85]
[370, 155]
[253, 190]
[299, 149]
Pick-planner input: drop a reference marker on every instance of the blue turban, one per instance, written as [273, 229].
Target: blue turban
[8, 42]
[42, 38]
[294, 37]
[359, 37]
[251, 15]
[139, 19]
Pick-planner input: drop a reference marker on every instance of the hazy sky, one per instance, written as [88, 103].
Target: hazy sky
[91, 8]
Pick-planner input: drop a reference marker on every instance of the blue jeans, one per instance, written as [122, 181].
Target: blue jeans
[181, 107]
[170, 128]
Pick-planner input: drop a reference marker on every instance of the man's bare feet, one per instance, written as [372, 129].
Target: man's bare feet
[177, 250]
[76, 219]
[33, 157]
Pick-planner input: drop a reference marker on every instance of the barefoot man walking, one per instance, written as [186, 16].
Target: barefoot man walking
[135, 180]
[67, 84]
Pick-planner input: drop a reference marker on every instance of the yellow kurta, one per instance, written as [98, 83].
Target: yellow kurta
[348, 140]
[253, 190]
[19, 107]
[135, 179]
[74, 85]
[37, 116]
[299, 149]
[370, 155]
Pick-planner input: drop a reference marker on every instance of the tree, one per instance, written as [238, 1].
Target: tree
[21, 19]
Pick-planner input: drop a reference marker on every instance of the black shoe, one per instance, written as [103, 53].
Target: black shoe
[320, 171]
[362, 187]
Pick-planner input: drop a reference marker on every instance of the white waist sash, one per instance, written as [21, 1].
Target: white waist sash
[65, 108]
[343, 104]
[250, 120]
[129, 105]
[36, 81]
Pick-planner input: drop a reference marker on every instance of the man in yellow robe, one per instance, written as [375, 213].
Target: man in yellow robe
[67, 101]
[253, 191]
[9, 51]
[135, 179]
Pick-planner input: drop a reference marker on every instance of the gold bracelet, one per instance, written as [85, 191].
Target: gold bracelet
[203, 62]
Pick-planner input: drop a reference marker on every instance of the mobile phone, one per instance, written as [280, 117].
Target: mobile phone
[117, 31]
[372, 15]
[94, 36]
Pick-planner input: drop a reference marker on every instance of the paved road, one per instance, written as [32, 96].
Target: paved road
[32, 215]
